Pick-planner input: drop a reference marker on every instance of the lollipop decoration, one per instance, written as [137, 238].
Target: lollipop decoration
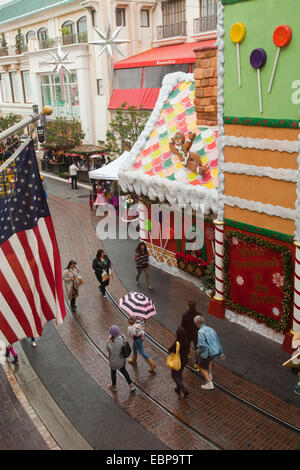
[237, 35]
[281, 37]
[258, 59]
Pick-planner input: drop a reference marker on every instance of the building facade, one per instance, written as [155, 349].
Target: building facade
[28, 34]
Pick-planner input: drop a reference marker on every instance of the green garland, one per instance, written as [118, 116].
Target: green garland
[263, 122]
[284, 323]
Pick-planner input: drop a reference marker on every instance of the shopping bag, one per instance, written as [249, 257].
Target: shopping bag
[173, 361]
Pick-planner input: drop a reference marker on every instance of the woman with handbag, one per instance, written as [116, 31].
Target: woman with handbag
[72, 280]
[116, 357]
[102, 268]
[184, 349]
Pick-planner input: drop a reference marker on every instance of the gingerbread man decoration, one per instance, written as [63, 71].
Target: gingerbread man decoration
[181, 147]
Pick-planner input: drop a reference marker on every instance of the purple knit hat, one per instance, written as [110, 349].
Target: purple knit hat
[114, 331]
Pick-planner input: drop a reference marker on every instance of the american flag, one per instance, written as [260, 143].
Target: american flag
[31, 291]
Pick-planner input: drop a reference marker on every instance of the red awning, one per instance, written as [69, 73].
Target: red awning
[145, 97]
[166, 55]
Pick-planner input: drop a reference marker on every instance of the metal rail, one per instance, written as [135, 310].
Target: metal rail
[19, 126]
[161, 348]
[141, 392]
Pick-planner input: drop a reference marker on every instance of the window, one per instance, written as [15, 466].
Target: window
[30, 35]
[154, 75]
[16, 87]
[43, 38]
[100, 87]
[120, 17]
[208, 8]
[174, 21]
[82, 29]
[63, 98]
[129, 78]
[27, 86]
[145, 18]
[68, 30]
[5, 88]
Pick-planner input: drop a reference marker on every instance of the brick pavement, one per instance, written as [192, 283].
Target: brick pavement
[218, 416]
[20, 427]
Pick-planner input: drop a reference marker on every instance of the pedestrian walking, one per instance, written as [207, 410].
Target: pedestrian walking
[142, 261]
[184, 348]
[72, 280]
[208, 348]
[102, 267]
[116, 359]
[73, 171]
[10, 349]
[137, 333]
[187, 322]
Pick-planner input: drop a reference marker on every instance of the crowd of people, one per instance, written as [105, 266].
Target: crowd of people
[193, 329]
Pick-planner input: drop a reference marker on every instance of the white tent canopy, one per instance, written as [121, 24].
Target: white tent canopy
[110, 171]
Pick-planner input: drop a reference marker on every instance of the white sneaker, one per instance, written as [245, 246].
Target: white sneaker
[33, 344]
[208, 386]
[132, 387]
[150, 287]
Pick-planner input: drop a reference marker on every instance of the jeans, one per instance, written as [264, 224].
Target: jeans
[139, 272]
[138, 347]
[73, 303]
[177, 377]
[74, 181]
[114, 376]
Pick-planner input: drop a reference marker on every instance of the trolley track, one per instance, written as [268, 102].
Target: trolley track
[159, 347]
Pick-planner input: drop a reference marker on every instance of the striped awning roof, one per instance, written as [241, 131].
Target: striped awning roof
[18, 9]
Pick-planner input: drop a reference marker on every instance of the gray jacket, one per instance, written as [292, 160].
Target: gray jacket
[116, 360]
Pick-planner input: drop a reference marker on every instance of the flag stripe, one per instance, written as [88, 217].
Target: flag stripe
[37, 271]
[8, 331]
[14, 304]
[61, 312]
[44, 258]
[18, 271]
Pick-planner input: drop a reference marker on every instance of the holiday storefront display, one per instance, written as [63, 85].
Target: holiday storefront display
[258, 187]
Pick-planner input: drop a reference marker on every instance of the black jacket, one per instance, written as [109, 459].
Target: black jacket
[100, 266]
[188, 324]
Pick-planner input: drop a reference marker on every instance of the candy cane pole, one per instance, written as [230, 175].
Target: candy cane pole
[219, 256]
[296, 309]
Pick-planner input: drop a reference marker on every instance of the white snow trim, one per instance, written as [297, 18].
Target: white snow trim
[220, 70]
[254, 326]
[261, 171]
[289, 146]
[297, 221]
[269, 209]
[156, 187]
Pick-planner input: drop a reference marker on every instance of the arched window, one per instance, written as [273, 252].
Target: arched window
[82, 29]
[30, 35]
[68, 32]
[43, 38]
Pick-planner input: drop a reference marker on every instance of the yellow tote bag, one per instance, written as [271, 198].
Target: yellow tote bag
[173, 361]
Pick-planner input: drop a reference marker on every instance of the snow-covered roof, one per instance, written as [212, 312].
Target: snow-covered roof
[153, 170]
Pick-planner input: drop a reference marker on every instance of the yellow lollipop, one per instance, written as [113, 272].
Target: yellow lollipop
[237, 35]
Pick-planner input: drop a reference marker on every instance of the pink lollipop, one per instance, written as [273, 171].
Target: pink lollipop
[281, 37]
[258, 59]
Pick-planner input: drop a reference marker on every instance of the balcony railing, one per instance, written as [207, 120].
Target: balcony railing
[46, 44]
[171, 30]
[64, 40]
[205, 23]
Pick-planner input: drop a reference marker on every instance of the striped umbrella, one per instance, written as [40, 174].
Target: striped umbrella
[137, 304]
